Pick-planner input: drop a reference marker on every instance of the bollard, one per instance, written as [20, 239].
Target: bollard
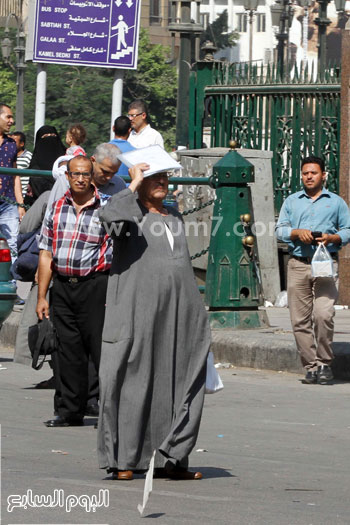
[233, 286]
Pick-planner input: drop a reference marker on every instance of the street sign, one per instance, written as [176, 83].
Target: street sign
[99, 33]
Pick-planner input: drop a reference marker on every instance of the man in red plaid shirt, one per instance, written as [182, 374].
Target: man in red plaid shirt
[76, 252]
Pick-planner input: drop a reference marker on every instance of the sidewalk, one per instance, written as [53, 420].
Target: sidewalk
[270, 348]
[274, 348]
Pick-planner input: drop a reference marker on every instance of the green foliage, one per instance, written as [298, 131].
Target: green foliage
[8, 86]
[73, 94]
[156, 82]
[84, 94]
[8, 89]
[217, 33]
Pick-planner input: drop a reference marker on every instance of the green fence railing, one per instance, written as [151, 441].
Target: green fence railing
[292, 116]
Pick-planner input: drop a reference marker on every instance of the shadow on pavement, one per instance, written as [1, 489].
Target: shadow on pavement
[214, 472]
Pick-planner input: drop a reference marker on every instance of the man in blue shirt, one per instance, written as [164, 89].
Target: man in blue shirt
[10, 186]
[307, 218]
[122, 129]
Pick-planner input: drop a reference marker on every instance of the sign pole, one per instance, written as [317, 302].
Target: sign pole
[40, 102]
[117, 97]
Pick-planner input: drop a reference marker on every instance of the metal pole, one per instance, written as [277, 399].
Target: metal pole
[40, 101]
[20, 67]
[322, 22]
[251, 14]
[305, 35]
[184, 79]
[188, 30]
[117, 97]
[282, 37]
[288, 14]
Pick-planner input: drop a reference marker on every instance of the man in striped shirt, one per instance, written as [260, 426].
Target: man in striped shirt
[23, 156]
[76, 252]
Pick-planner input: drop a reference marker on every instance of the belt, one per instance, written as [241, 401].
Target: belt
[79, 278]
[308, 260]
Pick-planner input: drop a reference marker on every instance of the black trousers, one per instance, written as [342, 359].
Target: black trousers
[93, 394]
[78, 314]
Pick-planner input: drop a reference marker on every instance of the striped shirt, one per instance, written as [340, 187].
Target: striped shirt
[78, 241]
[23, 162]
[24, 159]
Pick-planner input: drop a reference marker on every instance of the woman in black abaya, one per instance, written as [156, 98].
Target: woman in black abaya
[48, 147]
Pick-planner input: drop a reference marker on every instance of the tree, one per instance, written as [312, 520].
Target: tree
[218, 33]
[156, 82]
[84, 94]
[8, 87]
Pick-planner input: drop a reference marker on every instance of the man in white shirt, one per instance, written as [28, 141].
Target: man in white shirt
[142, 135]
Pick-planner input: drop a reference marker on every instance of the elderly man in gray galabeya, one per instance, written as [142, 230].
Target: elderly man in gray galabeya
[156, 337]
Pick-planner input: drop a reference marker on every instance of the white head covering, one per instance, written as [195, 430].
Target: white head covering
[57, 170]
[61, 185]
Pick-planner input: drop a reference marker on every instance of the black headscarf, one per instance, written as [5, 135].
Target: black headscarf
[48, 147]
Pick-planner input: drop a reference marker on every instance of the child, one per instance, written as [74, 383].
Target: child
[75, 136]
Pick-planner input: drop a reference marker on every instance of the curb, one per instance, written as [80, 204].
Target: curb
[256, 349]
[260, 349]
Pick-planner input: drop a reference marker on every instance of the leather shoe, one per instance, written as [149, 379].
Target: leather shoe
[61, 421]
[92, 410]
[48, 383]
[310, 377]
[160, 473]
[123, 475]
[324, 374]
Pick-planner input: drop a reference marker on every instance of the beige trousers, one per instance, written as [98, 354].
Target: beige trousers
[311, 307]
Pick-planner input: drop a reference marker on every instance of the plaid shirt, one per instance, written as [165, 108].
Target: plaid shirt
[78, 241]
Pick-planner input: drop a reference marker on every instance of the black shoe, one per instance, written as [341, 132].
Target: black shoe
[310, 377]
[92, 410]
[48, 383]
[61, 421]
[324, 374]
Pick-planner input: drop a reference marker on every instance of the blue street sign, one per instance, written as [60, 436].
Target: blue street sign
[100, 33]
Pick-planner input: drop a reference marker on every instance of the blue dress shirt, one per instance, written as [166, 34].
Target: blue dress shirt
[124, 146]
[328, 213]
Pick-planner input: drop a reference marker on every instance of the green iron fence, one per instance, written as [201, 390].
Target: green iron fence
[292, 117]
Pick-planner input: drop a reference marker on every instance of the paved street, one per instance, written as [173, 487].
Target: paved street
[276, 453]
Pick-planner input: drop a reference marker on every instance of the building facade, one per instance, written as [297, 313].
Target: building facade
[303, 31]
[7, 7]
[155, 17]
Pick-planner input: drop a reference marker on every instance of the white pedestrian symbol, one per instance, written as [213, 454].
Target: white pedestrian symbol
[122, 29]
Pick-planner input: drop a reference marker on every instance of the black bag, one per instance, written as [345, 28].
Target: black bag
[26, 264]
[42, 341]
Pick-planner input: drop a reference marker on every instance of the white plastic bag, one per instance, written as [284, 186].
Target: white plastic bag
[213, 381]
[282, 300]
[322, 263]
